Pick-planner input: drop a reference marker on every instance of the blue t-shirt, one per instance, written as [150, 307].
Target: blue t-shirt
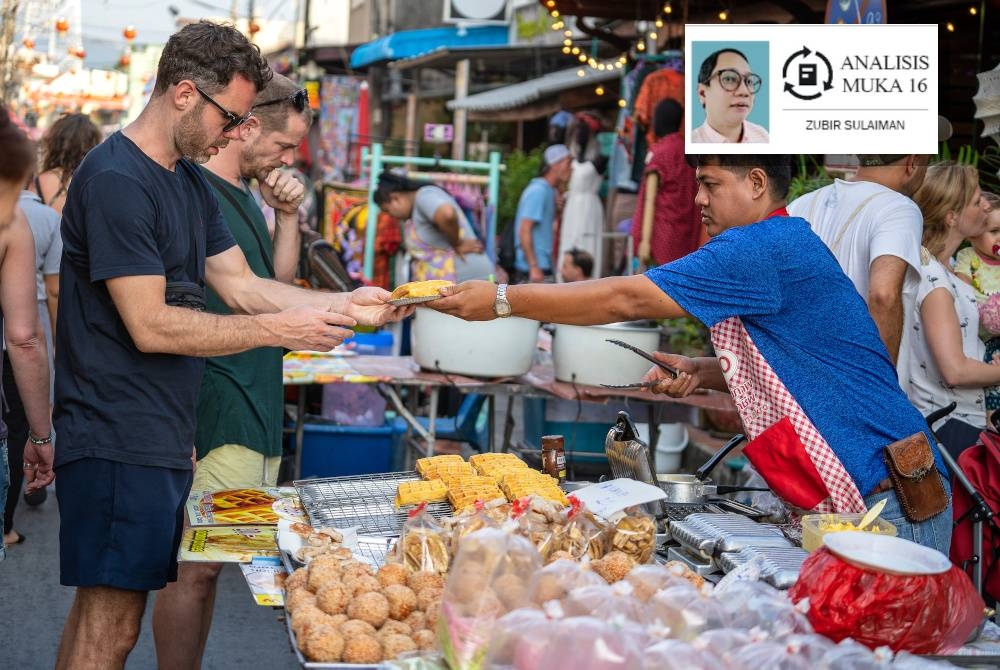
[813, 329]
[537, 203]
[126, 215]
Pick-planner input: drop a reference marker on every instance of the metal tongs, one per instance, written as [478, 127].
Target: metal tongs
[673, 372]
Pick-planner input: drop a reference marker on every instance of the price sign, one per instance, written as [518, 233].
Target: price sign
[608, 498]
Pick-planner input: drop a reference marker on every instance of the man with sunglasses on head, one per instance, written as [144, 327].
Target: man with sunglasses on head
[142, 235]
[726, 89]
[240, 407]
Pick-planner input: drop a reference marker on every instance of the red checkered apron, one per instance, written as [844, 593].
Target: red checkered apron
[785, 447]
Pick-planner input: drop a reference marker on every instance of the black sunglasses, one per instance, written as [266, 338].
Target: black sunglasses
[299, 100]
[234, 120]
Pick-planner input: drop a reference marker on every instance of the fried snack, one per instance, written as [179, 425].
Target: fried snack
[425, 640]
[371, 608]
[354, 627]
[322, 644]
[614, 566]
[362, 584]
[419, 581]
[681, 570]
[495, 464]
[522, 482]
[362, 649]
[424, 549]
[635, 536]
[332, 598]
[299, 579]
[428, 596]
[470, 491]
[394, 645]
[307, 616]
[393, 573]
[402, 601]
[450, 473]
[428, 462]
[392, 627]
[416, 621]
[413, 493]
[420, 289]
[298, 598]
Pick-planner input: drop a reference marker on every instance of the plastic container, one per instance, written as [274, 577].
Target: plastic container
[670, 446]
[378, 344]
[329, 450]
[812, 531]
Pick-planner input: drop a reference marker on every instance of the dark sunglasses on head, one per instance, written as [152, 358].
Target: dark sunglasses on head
[234, 121]
[299, 100]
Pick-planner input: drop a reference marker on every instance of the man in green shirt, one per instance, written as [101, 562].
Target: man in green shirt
[239, 418]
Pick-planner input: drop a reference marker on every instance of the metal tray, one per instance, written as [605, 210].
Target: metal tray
[780, 566]
[364, 501]
[699, 564]
[710, 534]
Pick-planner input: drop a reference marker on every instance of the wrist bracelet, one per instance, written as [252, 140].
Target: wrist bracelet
[40, 440]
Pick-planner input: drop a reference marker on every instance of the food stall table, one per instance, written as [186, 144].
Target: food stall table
[392, 373]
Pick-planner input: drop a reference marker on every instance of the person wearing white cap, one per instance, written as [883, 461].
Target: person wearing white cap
[536, 215]
[873, 229]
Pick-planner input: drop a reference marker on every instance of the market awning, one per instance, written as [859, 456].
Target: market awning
[526, 93]
[411, 43]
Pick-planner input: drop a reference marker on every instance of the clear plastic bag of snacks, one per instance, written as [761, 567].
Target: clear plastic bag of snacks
[540, 521]
[607, 602]
[490, 576]
[557, 579]
[687, 612]
[423, 543]
[584, 536]
[588, 643]
[634, 535]
[678, 655]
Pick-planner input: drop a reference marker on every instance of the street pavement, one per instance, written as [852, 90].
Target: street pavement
[33, 607]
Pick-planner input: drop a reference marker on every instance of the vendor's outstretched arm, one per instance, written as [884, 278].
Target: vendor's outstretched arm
[597, 301]
[244, 292]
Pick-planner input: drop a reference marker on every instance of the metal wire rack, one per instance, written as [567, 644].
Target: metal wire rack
[363, 501]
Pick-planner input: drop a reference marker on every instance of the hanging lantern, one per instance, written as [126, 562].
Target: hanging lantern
[254, 27]
[28, 43]
[62, 26]
[125, 60]
[129, 33]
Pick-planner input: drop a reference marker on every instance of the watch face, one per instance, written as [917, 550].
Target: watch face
[502, 308]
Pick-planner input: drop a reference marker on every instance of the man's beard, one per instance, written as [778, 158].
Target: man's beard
[252, 166]
[191, 139]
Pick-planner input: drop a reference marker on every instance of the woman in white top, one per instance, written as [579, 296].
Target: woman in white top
[946, 357]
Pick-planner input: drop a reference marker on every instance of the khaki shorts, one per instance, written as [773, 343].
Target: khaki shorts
[233, 466]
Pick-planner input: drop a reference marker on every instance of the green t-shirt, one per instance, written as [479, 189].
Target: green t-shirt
[242, 395]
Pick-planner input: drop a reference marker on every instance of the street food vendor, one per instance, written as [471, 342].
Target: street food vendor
[819, 398]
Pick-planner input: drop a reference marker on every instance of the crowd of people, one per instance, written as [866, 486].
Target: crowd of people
[838, 321]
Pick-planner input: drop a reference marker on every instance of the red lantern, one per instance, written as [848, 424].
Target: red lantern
[62, 25]
[28, 43]
[125, 60]
[254, 27]
[129, 33]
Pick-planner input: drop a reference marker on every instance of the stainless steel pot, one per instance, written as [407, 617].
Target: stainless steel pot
[685, 488]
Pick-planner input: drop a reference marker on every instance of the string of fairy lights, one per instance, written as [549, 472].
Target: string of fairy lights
[589, 60]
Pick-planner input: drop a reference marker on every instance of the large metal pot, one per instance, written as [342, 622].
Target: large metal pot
[582, 355]
[684, 488]
[499, 348]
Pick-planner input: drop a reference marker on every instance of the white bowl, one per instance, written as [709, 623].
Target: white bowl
[884, 553]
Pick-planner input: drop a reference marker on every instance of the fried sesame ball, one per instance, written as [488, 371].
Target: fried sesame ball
[486, 604]
[297, 598]
[418, 581]
[362, 649]
[309, 616]
[431, 613]
[393, 573]
[353, 627]
[370, 607]
[362, 584]
[332, 598]
[323, 571]
[425, 640]
[299, 579]
[342, 553]
[322, 644]
[466, 582]
[355, 568]
[392, 626]
[512, 591]
[402, 601]
[427, 596]
[337, 619]
[416, 621]
[394, 645]
[614, 566]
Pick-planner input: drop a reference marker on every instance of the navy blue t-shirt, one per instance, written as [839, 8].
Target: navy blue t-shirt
[126, 215]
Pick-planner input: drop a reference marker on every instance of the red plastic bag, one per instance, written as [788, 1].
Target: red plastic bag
[921, 614]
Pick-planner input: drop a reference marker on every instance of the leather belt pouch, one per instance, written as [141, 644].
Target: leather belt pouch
[915, 478]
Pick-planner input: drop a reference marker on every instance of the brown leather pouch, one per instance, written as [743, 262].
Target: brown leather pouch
[915, 478]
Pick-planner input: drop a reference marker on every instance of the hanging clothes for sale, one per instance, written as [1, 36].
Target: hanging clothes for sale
[582, 218]
[665, 83]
